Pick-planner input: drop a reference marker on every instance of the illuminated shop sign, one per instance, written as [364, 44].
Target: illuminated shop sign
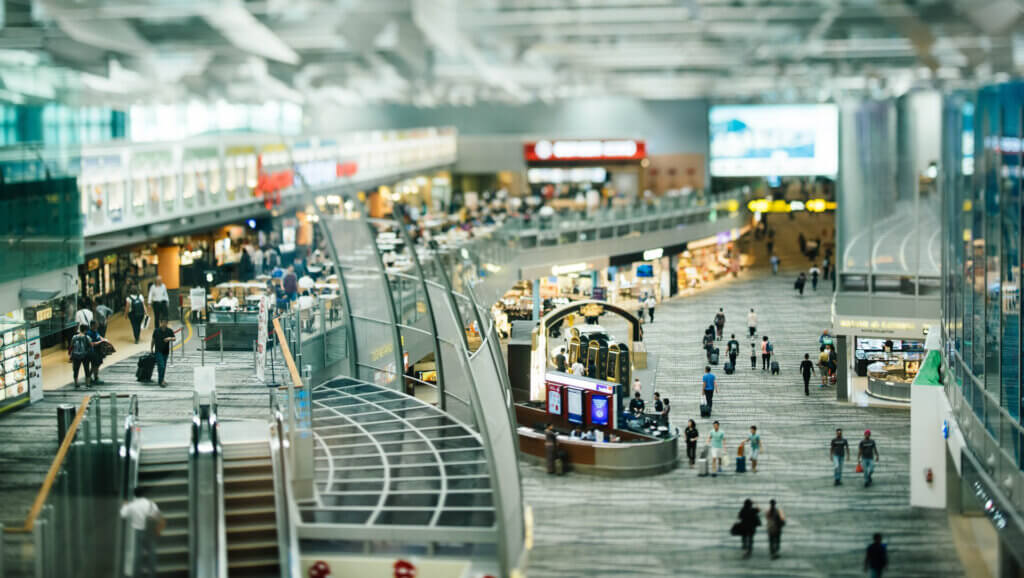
[652, 254]
[538, 175]
[783, 206]
[584, 150]
[571, 268]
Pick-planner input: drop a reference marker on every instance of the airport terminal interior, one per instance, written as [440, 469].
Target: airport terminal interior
[511, 288]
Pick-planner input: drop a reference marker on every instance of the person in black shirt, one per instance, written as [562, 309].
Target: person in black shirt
[876, 558]
[550, 447]
[560, 360]
[867, 453]
[161, 345]
[659, 406]
[806, 369]
[636, 405]
[839, 450]
[733, 347]
[691, 434]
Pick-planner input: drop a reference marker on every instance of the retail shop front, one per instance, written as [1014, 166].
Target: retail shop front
[586, 174]
[877, 359]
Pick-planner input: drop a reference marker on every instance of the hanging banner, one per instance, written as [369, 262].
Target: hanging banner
[261, 339]
[35, 366]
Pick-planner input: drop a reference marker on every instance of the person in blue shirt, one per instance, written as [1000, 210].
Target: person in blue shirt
[709, 385]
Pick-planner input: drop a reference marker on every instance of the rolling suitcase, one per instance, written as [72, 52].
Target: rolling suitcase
[741, 464]
[702, 462]
[713, 356]
[705, 410]
[730, 367]
[775, 368]
[144, 370]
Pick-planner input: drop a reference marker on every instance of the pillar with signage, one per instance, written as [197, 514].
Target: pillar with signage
[263, 320]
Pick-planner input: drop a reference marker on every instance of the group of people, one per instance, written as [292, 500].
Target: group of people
[661, 407]
[89, 345]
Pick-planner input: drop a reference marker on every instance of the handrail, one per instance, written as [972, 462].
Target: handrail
[51, 474]
[218, 451]
[208, 553]
[287, 354]
[287, 517]
[130, 478]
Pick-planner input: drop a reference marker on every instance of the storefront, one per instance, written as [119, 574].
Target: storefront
[709, 259]
[890, 365]
[586, 174]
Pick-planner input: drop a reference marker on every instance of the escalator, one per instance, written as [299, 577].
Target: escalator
[163, 475]
[249, 509]
[223, 491]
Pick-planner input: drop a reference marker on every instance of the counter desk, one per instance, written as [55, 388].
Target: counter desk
[239, 329]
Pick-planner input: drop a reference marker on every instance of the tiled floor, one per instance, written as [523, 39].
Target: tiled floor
[677, 524]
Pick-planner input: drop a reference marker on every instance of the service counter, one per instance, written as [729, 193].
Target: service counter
[239, 329]
[635, 455]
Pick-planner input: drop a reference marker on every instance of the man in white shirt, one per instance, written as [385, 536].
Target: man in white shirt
[650, 303]
[158, 300]
[752, 322]
[84, 315]
[147, 523]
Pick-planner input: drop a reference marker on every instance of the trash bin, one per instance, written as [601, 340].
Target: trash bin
[65, 415]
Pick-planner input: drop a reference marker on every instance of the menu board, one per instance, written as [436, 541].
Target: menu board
[574, 399]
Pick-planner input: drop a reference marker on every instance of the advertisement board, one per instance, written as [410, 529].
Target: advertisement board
[599, 410]
[774, 140]
[574, 401]
[554, 399]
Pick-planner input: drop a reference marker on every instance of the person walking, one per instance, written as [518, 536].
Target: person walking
[650, 303]
[752, 322]
[774, 260]
[766, 353]
[801, 281]
[291, 283]
[84, 315]
[637, 386]
[749, 520]
[81, 355]
[753, 356]
[96, 352]
[102, 316]
[823, 365]
[659, 405]
[550, 447]
[733, 347]
[876, 558]
[663, 415]
[691, 435]
[867, 455]
[716, 439]
[775, 519]
[839, 451]
[148, 523]
[720, 322]
[135, 310]
[158, 300]
[163, 337]
[754, 439]
[814, 272]
[806, 369]
[709, 385]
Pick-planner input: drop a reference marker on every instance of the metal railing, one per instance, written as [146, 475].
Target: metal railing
[129, 454]
[71, 530]
[207, 548]
[287, 514]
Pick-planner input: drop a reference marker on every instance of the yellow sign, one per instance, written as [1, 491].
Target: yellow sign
[44, 313]
[592, 310]
[783, 206]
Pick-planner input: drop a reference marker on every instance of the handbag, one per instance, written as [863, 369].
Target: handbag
[737, 529]
[860, 468]
[145, 322]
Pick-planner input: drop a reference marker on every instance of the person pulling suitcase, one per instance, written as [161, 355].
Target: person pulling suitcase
[709, 386]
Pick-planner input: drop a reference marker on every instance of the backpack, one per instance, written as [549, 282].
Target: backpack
[769, 346]
[719, 319]
[80, 347]
[138, 308]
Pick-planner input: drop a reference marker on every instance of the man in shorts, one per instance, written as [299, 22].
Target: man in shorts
[754, 439]
[716, 439]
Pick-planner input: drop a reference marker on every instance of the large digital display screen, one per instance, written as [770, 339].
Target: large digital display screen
[575, 403]
[599, 410]
[774, 140]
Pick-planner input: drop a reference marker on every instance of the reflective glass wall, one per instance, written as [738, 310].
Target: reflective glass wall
[981, 292]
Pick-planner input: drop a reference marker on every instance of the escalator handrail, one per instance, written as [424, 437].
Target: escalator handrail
[206, 494]
[130, 479]
[287, 515]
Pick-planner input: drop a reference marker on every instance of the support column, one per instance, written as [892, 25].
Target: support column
[842, 371]
[536, 299]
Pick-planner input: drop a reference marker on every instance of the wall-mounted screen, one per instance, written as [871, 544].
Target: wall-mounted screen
[574, 401]
[774, 140]
[599, 410]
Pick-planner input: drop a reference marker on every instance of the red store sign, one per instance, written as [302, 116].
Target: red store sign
[584, 150]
